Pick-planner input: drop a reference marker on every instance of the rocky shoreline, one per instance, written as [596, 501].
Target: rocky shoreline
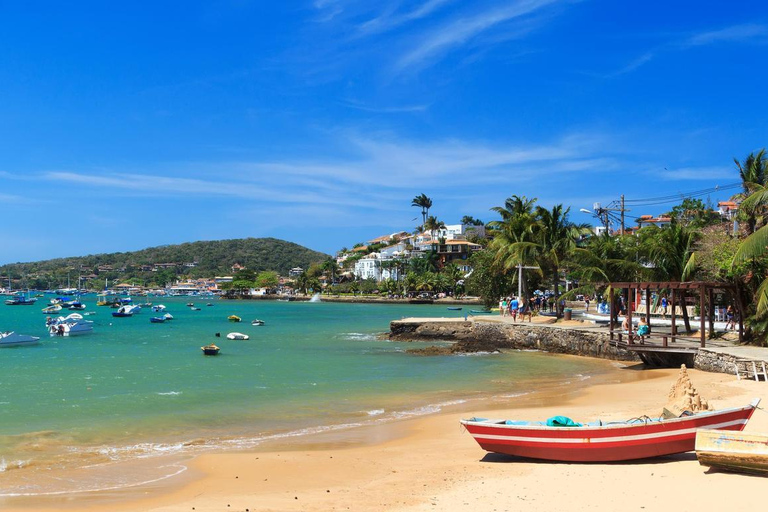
[478, 335]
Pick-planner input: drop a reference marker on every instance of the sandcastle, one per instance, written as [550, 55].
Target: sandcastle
[684, 397]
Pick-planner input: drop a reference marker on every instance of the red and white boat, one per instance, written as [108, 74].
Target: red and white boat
[638, 438]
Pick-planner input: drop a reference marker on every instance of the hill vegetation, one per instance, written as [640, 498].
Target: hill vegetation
[157, 266]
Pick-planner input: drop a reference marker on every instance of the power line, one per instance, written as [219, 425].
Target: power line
[676, 197]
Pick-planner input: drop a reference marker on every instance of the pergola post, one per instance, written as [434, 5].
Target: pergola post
[648, 305]
[673, 301]
[630, 305]
[612, 312]
[711, 310]
[702, 318]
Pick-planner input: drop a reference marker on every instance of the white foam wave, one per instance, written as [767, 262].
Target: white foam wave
[375, 412]
[178, 469]
[169, 393]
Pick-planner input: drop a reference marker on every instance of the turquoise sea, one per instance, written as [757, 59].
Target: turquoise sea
[133, 390]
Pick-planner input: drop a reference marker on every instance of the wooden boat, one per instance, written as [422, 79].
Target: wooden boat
[454, 308]
[732, 451]
[233, 318]
[638, 438]
[210, 350]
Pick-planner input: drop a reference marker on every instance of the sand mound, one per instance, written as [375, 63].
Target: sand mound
[683, 396]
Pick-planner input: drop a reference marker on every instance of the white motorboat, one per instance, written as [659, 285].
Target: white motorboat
[52, 310]
[126, 310]
[237, 336]
[257, 322]
[71, 325]
[158, 308]
[14, 339]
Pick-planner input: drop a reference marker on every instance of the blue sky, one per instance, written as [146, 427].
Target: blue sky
[126, 125]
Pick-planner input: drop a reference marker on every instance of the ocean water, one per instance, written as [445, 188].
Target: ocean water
[134, 390]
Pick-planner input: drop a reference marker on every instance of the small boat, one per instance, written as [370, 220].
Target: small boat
[454, 308]
[190, 304]
[480, 312]
[210, 350]
[257, 322]
[233, 318]
[194, 309]
[52, 310]
[157, 319]
[20, 300]
[126, 310]
[76, 306]
[733, 451]
[14, 339]
[158, 308]
[237, 336]
[168, 316]
[71, 325]
[562, 439]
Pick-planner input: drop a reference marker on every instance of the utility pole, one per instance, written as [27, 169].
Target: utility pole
[520, 268]
[622, 214]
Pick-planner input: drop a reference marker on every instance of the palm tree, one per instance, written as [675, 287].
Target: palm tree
[753, 170]
[425, 203]
[671, 253]
[754, 173]
[510, 233]
[432, 225]
[554, 239]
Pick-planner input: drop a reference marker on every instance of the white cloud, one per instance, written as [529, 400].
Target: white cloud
[753, 33]
[459, 32]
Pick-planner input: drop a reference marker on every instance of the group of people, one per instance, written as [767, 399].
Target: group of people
[642, 330]
[514, 307]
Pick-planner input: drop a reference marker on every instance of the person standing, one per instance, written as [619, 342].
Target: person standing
[729, 316]
[664, 305]
[513, 306]
[586, 303]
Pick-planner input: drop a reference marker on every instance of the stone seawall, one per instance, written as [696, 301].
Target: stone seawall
[484, 336]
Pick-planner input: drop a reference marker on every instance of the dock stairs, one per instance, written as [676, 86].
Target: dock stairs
[751, 369]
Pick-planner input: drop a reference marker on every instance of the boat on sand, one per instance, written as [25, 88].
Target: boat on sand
[733, 451]
[561, 439]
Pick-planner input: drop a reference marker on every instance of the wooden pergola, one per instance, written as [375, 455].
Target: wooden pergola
[706, 303]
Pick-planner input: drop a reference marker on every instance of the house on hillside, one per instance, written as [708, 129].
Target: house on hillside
[650, 220]
[727, 209]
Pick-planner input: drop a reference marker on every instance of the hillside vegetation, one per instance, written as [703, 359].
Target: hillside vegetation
[193, 260]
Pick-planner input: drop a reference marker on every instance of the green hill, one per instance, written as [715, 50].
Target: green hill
[160, 265]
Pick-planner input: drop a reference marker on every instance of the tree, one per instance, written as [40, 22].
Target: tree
[432, 225]
[554, 240]
[753, 175]
[425, 203]
[670, 252]
[267, 279]
[694, 213]
[468, 220]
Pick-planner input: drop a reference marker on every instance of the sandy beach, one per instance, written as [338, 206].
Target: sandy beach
[430, 463]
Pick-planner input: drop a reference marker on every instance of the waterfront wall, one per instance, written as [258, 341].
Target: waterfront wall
[484, 336]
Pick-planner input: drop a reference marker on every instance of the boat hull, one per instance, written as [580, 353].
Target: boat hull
[605, 443]
[733, 451]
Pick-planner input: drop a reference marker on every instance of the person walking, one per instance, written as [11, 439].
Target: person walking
[729, 316]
